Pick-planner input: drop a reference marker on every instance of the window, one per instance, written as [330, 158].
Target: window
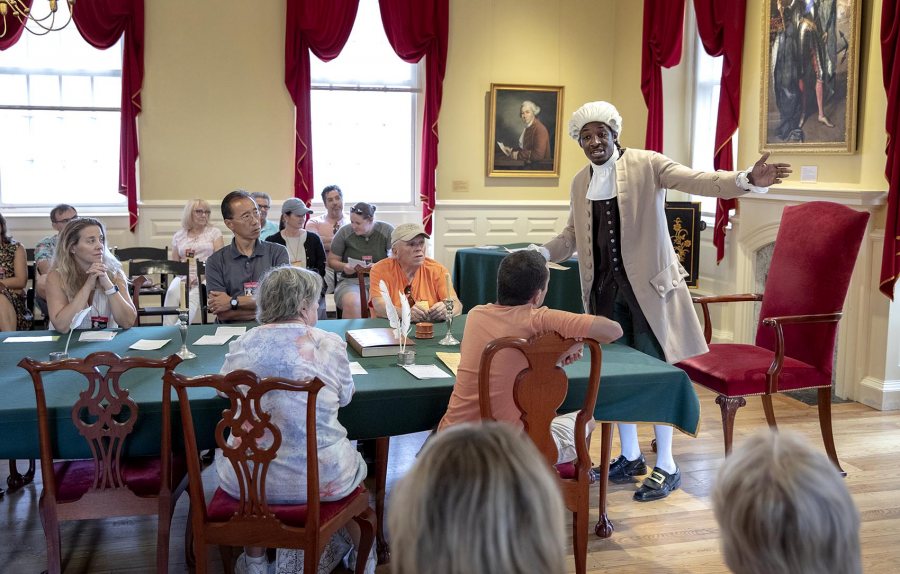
[365, 117]
[59, 116]
[707, 75]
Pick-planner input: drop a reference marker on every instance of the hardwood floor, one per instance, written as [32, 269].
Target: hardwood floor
[675, 535]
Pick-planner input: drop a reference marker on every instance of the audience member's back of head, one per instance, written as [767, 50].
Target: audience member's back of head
[520, 276]
[783, 508]
[479, 499]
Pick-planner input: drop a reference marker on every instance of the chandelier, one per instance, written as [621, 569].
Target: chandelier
[21, 11]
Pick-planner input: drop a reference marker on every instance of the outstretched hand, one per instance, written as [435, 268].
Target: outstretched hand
[765, 174]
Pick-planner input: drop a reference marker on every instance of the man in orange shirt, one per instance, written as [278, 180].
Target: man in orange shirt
[522, 281]
[422, 280]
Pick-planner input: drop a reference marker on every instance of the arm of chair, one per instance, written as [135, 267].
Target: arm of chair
[774, 372]
[136, 285]
[704, 302]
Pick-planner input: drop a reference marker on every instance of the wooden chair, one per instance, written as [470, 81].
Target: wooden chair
[204, 295]
[166, 269]
[361, 274]
[815, 252]
[539, 390]
[250, 520]
[109, 484]
[131, 254]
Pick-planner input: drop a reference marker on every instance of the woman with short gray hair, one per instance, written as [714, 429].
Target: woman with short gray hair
[287, 344]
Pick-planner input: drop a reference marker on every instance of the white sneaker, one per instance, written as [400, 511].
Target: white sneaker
[247, 565]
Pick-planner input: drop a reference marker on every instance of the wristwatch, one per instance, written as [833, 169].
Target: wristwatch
[234, 303]
[112, 290]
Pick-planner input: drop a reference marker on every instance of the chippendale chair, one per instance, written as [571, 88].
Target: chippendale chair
[140, 271]
[250, 520]
[539, 390]
[815, 252]
[109, 483]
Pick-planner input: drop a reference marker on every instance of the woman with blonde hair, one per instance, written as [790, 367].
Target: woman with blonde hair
[13, 277]
[479, 499]
[195, 241]
[85, 274]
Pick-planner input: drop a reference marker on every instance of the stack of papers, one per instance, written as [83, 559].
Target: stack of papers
[34, 339]
[149, 344]
[426, 371]
[96, 336]
[222, 336]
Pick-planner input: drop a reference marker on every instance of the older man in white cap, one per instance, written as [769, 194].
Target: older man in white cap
[628, 268]
[422, 280]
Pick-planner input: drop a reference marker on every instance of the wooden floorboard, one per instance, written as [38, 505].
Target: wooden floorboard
[675, 535]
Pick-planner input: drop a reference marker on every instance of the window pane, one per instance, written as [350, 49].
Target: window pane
[107, 91]
[367, 59]
[76, 91]
[363, 141]
[13, 90]
[43, 90]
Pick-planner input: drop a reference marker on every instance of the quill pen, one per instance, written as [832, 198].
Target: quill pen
[76, 320]
[404, 319]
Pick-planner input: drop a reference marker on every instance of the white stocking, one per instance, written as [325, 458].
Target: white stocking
[664, 458]
[631, 450]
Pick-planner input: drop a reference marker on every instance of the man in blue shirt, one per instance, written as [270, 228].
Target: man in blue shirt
[233, 272]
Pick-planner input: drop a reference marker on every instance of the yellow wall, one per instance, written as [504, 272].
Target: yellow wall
[216, 114]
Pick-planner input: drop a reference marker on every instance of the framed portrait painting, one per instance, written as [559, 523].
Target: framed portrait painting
[525, 125]
[810, 63]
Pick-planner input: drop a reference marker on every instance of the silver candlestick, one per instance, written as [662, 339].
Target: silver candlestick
[183, 319]
[449, 339]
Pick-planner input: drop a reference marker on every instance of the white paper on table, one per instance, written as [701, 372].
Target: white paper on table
[508, 250]
[487, 247]
[212, 340]
[357, 369]
[35, 339]
[96, 335]
[230, 331]
[149, 344]
[426, 371]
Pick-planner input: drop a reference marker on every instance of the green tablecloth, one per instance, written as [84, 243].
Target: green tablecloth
[388, 401]
[475, 279]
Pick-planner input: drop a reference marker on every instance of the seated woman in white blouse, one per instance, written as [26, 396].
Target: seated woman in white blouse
[197, 239]
[287, 344]
[85, 274]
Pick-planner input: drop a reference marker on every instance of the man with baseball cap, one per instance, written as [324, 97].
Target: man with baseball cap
[628, 268]
[422, 280]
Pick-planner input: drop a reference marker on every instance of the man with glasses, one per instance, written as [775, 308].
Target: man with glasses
[233, 272]
[327, 225]
[46, 247]
[263, 203]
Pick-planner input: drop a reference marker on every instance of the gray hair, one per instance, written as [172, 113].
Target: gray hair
[783, 507]
[535, 109]
[480, 498]
[187, 216]
[260, 195]
[283, 291]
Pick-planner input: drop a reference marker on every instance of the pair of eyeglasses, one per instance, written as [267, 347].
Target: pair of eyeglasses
[202, 211]
[249, 217]
[66, 220]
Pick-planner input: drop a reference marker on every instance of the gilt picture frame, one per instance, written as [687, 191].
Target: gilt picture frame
[810, 76]
[524, 130]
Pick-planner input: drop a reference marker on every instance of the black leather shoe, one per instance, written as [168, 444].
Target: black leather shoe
[658, 485]
[623, 470]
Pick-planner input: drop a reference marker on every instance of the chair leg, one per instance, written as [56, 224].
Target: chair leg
[824, 404]
[50, 523]
[163, 526]
[190, 559]
[579, 540]
[227, 555]
[15, 480]
[729, 407]
[604, 527]
[366, 523]
[382, 449]
[769, 409]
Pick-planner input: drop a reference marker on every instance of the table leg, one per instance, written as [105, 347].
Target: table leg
[382, 447]
[604, 527]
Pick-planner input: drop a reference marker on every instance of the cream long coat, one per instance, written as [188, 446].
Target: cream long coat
[654, 272]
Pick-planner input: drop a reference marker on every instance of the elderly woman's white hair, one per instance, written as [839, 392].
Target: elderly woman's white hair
[283, 291]
[603, 112]
[479, 499]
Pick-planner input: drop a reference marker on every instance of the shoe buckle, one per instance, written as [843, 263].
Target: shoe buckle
[655, 480]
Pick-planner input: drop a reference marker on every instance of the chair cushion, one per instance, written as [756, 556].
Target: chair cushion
[141, 475]
[566, 470]
[223, 506]
[736, 370]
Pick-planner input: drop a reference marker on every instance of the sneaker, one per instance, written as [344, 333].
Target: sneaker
[623, 470]
[247, 565]
[658, 485]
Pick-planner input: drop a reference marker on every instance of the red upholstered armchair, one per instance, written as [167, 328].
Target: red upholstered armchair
[815, 251]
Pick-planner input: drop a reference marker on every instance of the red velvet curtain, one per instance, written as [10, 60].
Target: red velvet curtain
[663, 29]
[890, 61]
[14, 28]
[320, 26]
[417, 28]
[102, 23]
[720, 24]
